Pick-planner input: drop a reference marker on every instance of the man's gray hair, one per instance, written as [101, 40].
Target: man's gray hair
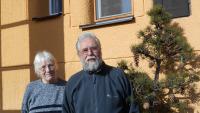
[86, 35]
[40, 57]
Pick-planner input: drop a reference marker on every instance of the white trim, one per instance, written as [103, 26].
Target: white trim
[115, 15]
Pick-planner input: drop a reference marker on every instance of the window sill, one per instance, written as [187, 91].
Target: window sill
[46, 17]
[107, 22]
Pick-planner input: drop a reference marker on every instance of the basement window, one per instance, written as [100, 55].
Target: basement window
[178, 8]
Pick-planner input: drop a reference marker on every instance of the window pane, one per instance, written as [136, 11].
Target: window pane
[182, 9]
[178, 8]
[55, 6]
[108, 8]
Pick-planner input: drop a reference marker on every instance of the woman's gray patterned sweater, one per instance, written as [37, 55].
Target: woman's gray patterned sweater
[43, 98]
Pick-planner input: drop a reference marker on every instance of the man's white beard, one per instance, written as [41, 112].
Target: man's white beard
[92, 65]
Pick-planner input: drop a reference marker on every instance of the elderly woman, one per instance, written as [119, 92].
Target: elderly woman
[46, 94]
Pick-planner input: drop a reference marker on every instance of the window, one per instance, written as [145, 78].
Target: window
[108, 12]
[110, 9]
[44, 9]
[55, 7]
[178, 8]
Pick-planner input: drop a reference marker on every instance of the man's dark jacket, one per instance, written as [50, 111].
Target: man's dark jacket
[104, 91]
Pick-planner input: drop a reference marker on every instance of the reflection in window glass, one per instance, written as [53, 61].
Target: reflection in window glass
[108, 8]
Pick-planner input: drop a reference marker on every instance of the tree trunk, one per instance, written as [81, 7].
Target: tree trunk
[158, 62]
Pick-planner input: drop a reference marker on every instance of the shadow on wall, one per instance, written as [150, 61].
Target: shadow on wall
[46, 34]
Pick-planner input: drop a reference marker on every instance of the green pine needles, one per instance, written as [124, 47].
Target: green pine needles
[167, 51]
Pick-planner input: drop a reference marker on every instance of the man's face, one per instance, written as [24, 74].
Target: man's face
[90, 54]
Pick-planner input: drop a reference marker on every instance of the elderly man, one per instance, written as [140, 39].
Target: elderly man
[98, 88]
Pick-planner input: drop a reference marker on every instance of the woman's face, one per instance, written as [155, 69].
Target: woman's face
[47, 72]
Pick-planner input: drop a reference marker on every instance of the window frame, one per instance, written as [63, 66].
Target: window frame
[112, 17]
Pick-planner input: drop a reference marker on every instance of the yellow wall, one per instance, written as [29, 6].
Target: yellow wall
[13, 89]
[21, 38]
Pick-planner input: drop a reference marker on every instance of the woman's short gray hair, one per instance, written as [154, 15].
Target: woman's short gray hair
[40, 57]
[86, 35]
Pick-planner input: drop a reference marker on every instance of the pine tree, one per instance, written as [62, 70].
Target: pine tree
[167, 50]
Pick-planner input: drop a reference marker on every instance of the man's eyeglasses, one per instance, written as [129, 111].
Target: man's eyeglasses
[93, 49]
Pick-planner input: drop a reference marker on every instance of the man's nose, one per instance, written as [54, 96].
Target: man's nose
[90, 52]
